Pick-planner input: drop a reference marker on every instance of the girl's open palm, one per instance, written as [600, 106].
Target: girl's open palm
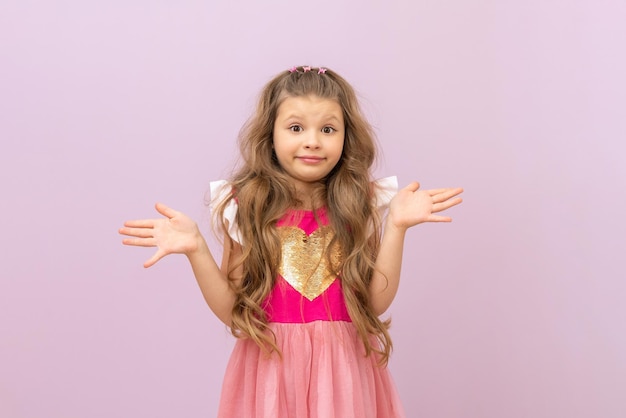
[411, 206]
[176, 233]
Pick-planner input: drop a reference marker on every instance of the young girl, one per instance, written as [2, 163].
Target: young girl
[307, 267]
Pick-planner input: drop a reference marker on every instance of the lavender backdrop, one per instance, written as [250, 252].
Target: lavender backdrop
[513, 310]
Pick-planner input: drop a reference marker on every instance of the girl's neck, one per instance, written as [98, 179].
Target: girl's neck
[308, 205]
[310, 196]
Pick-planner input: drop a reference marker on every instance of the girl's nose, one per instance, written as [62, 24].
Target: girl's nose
[312, 141]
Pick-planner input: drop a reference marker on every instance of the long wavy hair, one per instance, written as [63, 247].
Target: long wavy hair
[264, 193]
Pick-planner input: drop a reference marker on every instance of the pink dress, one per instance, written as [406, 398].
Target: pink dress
[323, 372]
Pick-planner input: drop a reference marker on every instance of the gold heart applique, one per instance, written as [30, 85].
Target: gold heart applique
[304, 264]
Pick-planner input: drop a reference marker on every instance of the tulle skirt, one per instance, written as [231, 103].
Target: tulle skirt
[323, 373]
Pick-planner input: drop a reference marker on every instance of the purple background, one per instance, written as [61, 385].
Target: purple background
[513, 310]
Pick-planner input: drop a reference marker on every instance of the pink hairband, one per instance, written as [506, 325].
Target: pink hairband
[307, 69]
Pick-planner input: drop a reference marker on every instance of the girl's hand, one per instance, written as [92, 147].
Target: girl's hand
[176, 233]
[411, 206]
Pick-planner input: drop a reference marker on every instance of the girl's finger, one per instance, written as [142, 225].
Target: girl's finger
[139, 242]
[438, 207]
[165, 210]
[140, 223]
[412, 186]
[437, 218]
[137, 232]
[445, 194]
[152, 260]
[435, 192]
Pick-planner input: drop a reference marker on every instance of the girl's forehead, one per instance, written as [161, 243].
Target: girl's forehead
[310, 105]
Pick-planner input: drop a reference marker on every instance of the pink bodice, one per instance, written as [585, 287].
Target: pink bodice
[306, 289]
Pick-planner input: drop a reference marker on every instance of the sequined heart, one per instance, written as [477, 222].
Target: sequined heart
[304, 264]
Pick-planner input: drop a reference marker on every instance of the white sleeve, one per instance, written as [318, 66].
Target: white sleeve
[385, 189]
[220, 190]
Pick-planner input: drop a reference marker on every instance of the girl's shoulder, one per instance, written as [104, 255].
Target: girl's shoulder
[221, 190]
[384, 190]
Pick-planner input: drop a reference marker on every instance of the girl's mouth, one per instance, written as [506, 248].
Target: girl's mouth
[309, 159]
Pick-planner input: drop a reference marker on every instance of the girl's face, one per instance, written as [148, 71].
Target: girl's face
[308, 138]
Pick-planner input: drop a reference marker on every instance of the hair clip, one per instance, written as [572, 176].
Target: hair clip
[307, 69]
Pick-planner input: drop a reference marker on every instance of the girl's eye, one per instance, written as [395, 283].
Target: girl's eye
[295, 128]
[328, 130]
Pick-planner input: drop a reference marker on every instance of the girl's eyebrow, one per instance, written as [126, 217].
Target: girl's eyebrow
[293, 116]
[333, 118]
[325, 118]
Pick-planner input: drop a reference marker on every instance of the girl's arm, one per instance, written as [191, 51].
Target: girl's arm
[177, 233]
[408, 208]
[213, 281]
